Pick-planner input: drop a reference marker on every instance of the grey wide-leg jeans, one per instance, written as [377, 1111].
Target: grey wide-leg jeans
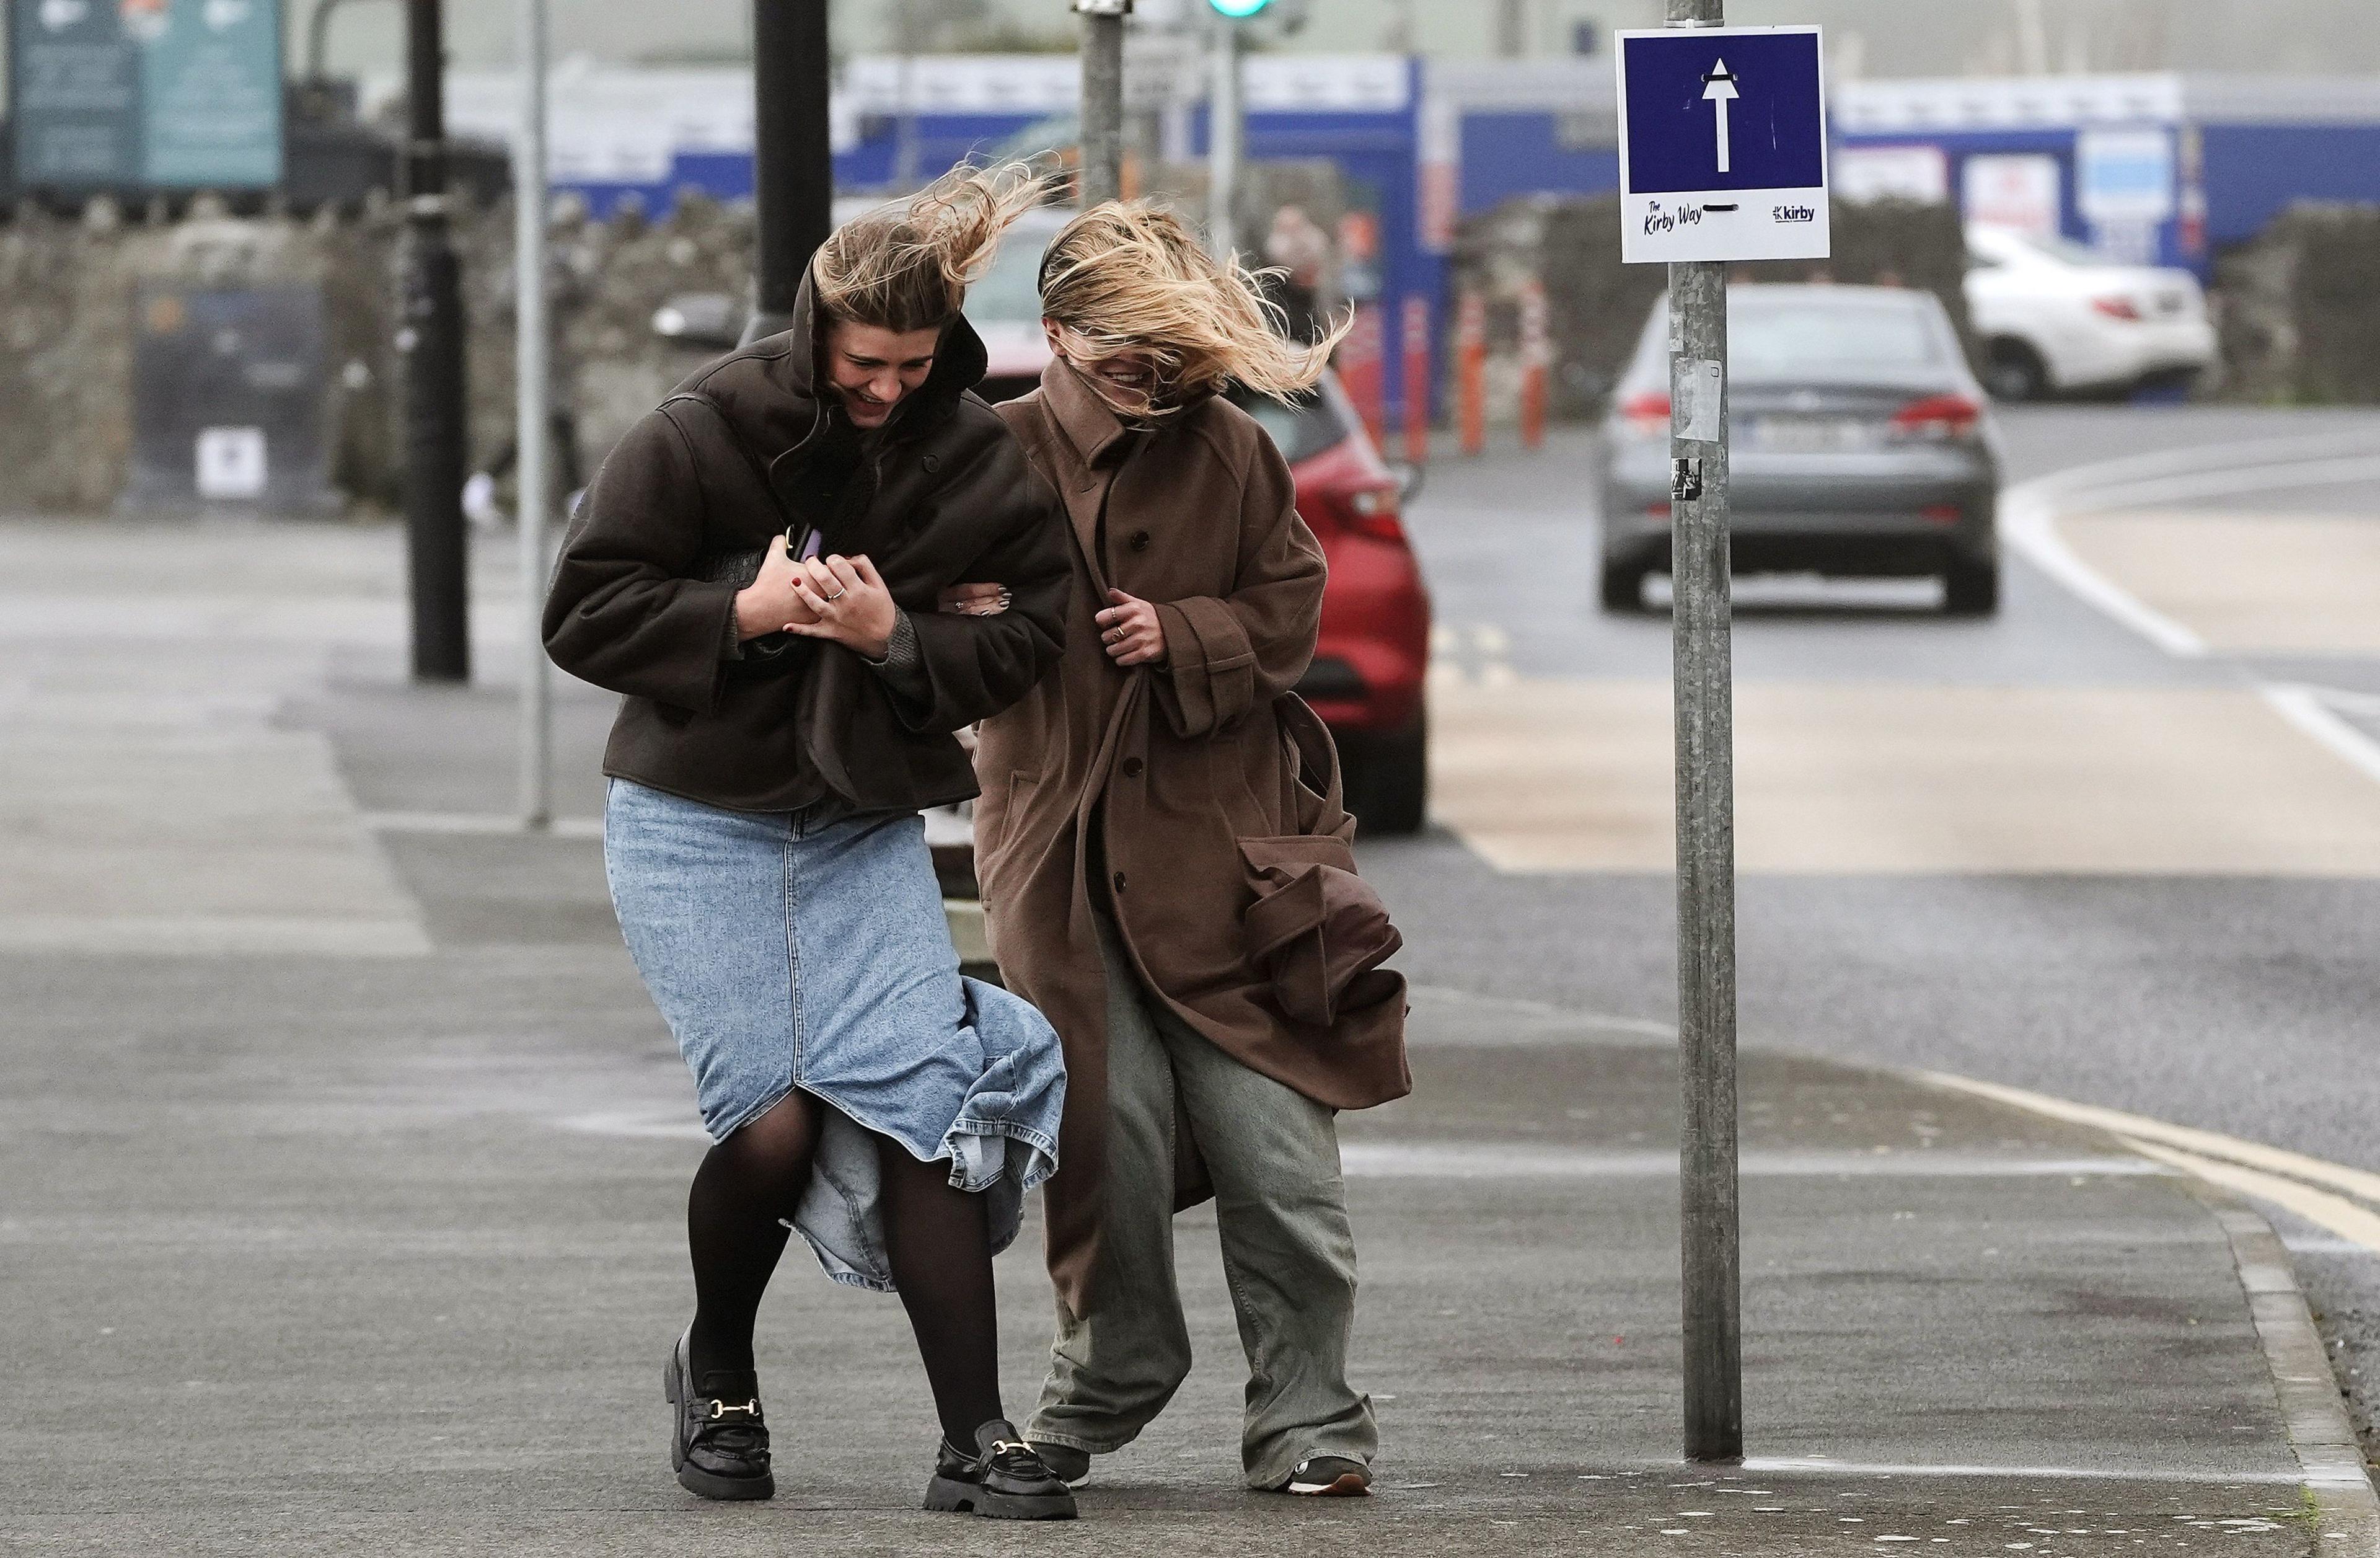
[1288, 1253]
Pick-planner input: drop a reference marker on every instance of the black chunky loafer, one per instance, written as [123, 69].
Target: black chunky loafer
[719, 1443]
[1003, 1479]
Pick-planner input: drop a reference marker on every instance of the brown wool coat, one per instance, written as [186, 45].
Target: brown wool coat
[1165, 773]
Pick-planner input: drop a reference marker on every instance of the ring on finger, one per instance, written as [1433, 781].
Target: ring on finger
[840, 594]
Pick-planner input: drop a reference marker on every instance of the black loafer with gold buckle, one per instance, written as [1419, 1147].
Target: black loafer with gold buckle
[1003, 1479]
[718, 1445]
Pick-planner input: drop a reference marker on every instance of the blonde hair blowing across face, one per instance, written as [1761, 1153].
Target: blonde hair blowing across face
[906, 266]
[1128, 277]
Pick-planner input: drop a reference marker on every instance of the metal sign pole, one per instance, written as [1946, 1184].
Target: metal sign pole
[534, 415]
[431, 340]
[793, 155]
[1224, 129]
[1102, 174]
[1709, 1264]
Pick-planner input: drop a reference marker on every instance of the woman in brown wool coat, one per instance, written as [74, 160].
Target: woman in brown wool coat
[1166, 869]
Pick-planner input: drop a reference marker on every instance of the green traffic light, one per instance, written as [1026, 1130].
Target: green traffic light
[1239, 11]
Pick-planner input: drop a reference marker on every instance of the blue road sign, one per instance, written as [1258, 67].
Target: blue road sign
[1723, 143]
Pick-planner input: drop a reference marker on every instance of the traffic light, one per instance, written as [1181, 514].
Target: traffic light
[1282, 16]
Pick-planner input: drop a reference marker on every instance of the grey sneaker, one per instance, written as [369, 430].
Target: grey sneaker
[1330, 1477]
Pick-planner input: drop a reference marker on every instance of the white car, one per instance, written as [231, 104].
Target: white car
[2055, 317]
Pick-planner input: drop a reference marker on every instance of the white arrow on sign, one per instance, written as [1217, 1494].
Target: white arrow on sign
[1721, 90]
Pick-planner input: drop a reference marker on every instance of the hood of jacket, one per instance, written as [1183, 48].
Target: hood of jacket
[770, 391]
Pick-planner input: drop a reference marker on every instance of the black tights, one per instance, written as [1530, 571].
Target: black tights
[937, 1238]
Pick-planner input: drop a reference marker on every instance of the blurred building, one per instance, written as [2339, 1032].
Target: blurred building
[1883, 38]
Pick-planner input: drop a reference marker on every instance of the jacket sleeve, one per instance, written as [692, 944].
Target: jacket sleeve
[1225, 655]
[620, 612]
[973, 667]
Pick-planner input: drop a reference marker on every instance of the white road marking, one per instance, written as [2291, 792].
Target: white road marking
[641, 1123]
[1822, 1465]
[2229, 456]
[213, 935]
[476, 824]
[1894, 778]
[2229, 481]
[1501, 1160]
[1543, 1012]
[2030, 512]
[1471, 655]
[2029, 523]
[2362, 703]
[2307, 708]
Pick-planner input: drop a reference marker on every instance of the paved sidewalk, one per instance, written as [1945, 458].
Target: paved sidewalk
[345, 1159]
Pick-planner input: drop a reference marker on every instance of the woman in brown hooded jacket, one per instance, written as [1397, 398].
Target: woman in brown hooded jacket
[1166, 869]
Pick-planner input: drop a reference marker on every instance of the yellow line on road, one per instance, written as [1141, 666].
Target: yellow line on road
[2337, 1213]
[2276, 1163]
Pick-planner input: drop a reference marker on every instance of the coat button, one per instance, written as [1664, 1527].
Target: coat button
[1132, 768]
[933, 462]
[1140, 541]
[1119, 881]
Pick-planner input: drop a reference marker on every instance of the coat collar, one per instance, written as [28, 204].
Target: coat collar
[1088, 423]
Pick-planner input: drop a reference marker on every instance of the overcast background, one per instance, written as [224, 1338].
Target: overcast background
[1882, 38]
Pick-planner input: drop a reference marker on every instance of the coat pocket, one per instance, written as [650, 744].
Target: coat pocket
[1316, 932]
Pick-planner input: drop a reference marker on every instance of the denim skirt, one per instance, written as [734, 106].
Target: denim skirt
[809, 949]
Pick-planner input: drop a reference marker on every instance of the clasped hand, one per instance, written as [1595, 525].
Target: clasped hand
[842, 599]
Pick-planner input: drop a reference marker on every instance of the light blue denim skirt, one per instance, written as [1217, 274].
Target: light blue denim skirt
[806, 950]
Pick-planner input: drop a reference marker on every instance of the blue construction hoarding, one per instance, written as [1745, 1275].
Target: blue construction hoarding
[2169, 168]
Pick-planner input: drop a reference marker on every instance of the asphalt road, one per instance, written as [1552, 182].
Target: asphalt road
[2212, 989]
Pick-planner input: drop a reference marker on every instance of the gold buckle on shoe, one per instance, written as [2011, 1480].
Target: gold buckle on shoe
[720, 1409]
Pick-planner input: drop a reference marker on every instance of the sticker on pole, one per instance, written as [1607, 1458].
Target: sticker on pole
[1723, 144]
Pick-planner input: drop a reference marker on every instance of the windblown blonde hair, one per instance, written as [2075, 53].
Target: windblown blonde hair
[1131, 276]
[907, 265]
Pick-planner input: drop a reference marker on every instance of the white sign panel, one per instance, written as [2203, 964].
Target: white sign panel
[2026, 192]
[2124, 176]
[1723, 144]
[231, 463]
[1893, 172]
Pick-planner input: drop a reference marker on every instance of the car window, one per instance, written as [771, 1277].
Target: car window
[1789, 334]
[1779, 339]
[1300, 431]
[2066, 252]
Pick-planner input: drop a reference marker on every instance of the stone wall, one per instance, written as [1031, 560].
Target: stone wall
[2300, 309]
[67, 327]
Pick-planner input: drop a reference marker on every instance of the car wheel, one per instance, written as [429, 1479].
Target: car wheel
[1623, 588]
[1971, 588]
[2016, 372]
[1388, 780]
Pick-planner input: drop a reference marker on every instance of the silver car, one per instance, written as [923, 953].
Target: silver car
[1861, 445]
